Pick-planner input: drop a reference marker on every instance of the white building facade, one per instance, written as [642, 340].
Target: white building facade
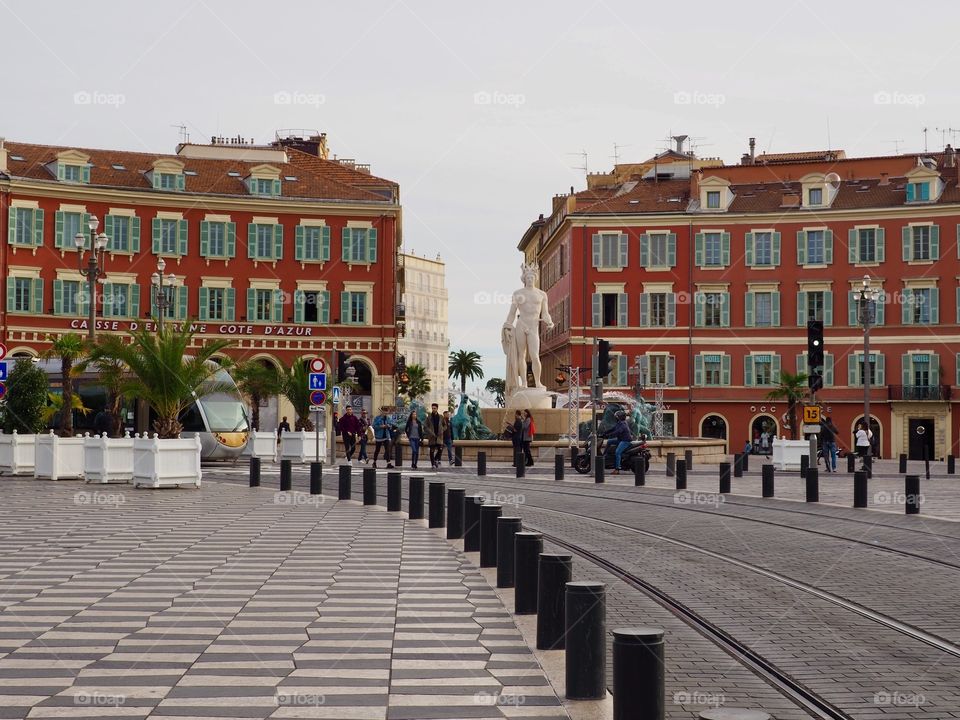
[426, 340]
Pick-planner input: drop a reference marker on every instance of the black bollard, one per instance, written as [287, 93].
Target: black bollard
[457, 456]
[254, 472]
[393, 492]
[316, 478]
[369, 486]
[638, 674]
[902, 468]
[738, 465]
[639, 471]
[553, 573]
[286, 476]
[745, 459]
[528, 546]
[671, 463]
[574, 452]
[951, 465]
[911, 493]
[813, 485]
[586, 641]
[558, 467]
[345, 482]
[481, 463]
[507, 528]
[766, 481]
[724, 478]
[471, 523]
[868, 464]
[598, 469]
[859, 489]
[688, 459]
[680, 470]
[435, 505]
[489, 514]
[455, 505]
[804, 465]
[926, 461]
[416, 499]
[851, 462]
[520, 463]
[398, 455]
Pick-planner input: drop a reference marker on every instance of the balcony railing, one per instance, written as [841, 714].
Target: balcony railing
[937, 393]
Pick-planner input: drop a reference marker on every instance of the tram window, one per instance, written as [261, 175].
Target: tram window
[191, 419]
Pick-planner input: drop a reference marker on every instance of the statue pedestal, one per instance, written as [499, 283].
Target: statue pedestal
[530, 399]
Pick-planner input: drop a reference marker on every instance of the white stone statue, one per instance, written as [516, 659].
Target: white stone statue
[520, 337]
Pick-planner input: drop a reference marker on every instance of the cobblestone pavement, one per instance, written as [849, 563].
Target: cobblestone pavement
[226, 602]
[869, 670]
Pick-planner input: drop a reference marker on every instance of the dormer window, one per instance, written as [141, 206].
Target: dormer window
[74, 173]
[167, 174]
[168, 181]
[715, 194]
[815, 196]
[71, 166]
[918, 192]
[924, 184]
[264, 186]
[713, 199]
[819, 190]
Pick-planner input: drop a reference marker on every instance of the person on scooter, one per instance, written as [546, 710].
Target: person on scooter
[621, 433]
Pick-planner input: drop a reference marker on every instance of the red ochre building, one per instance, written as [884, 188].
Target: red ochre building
[286, 251]
[703, 276]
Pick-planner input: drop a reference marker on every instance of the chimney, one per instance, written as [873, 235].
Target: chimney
[695, 185]
[3, 156]
[884, 178]
[753, 150]
[949, 156]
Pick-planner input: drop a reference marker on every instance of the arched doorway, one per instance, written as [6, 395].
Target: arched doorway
[714, 426]
[877, 439]
[362, 395]
[763, 429]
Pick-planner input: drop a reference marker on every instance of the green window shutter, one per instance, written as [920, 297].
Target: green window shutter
[345, 239]
[58, 297]
[156, 236]
[182, 236]
[133, 305]
[622, 315]
[801, 362]
[724, 369]
[372, 245]
[934, 369]
[108, 304]
[11, 293]
[595, 250]
[881, 369]
[181, 182]
[828, 247]
[775, 369]
[298, 241]
[324, 314]
[252, 241]
[622, 370]
[725, 309]
[853, 246]
[83, 300]
[671, 370]
[644, 250]
[231, 240]
[85, 174]
[58, 229]
[298, 302]
[852, 309]
[748, 248]
[276, 188]
[698, 370]
[801, 247]
[775, 241]
[957, 360]
[344, 308]
[748, 299]
[853, 360]
[725, 249]
[135, 234]
[698, 252]
[828, 369]
[671, 309]
[880, 310]
[775, 309]
[37, 289]
[801, 309]
[108, 229]
[61, 171]
[183, 302]
[905, 237]
[644, 309]
[906, 316]
[230, 305]
[827, 308]
[155, 177]
[881, 245]
[934, 242]
[906, 369]
[596, 304]
[671, 249]
[204, 300]
[38, 227]
[278, 242]
[622, 240]
[748, 370]
[699, 301]
[153, 304]
[277, 306]
[325, 243]
[251, 304]
[934, 306]
[12, 226]
[910, 196]
[958, 305]
[204, 238]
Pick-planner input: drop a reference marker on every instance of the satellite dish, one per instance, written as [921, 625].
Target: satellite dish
[833, 179]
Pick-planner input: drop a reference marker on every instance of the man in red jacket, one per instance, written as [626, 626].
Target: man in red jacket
[349, 429]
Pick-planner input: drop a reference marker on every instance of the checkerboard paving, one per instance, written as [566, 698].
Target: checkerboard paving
[230, 602]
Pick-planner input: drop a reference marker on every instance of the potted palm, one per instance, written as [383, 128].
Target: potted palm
[108, 457]
[258, 381]
[304, 443]
[22, 417]
[169, 375]
[791, 388]
[60, 457]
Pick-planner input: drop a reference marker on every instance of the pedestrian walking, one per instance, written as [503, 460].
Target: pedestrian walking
[434, 431]
[448, 436]
[414, 432]
[383, 428]
[828, 443]
[516, 434]
[363, 436]
[863, 443]
[349, 430]
[528, 430]
[622, 434]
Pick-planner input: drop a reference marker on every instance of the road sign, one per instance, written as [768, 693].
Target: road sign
[809, 429]
[317, 365]
[335, 396]
[317, 408]
[318, 397]
[811, 415]
[3, 390]
[3, 351]
[3, 372]
[318, 381]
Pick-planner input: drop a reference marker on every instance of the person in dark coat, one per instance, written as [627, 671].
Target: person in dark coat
[349, 429]
[414, 432]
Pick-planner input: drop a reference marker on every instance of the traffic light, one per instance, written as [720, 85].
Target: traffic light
[603, 358]
[815, 355]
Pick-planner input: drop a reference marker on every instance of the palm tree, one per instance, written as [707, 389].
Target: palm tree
[463, 365]
[295, 387]
[498, 387]
[791, 388]
[259, 381]
[417, 384]
[170, 375]
[112, 372]
[71, 349]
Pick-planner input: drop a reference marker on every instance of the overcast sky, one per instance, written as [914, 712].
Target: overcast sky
[480, 111]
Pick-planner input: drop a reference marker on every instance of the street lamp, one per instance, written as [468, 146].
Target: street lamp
[867, 304]
[160, 284]
[94, 269]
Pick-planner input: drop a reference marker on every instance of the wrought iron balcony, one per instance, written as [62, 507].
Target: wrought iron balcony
[936, 393]
[401, 313]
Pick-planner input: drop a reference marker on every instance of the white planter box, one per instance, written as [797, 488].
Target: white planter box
[58, 458]
[17, 453]
[107, 459]
[168, 462]
[301, 447]
[261, 444]
[786, 453]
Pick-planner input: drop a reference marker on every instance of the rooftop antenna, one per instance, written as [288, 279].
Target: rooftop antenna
[585, 166]
[616, 153]
[184, 135]
[829, 145]
[925, 139]
[896, 146]
[952, 132]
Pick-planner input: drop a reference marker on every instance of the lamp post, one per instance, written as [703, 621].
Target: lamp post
[867, 303]
[94, 269]
[160, 284]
